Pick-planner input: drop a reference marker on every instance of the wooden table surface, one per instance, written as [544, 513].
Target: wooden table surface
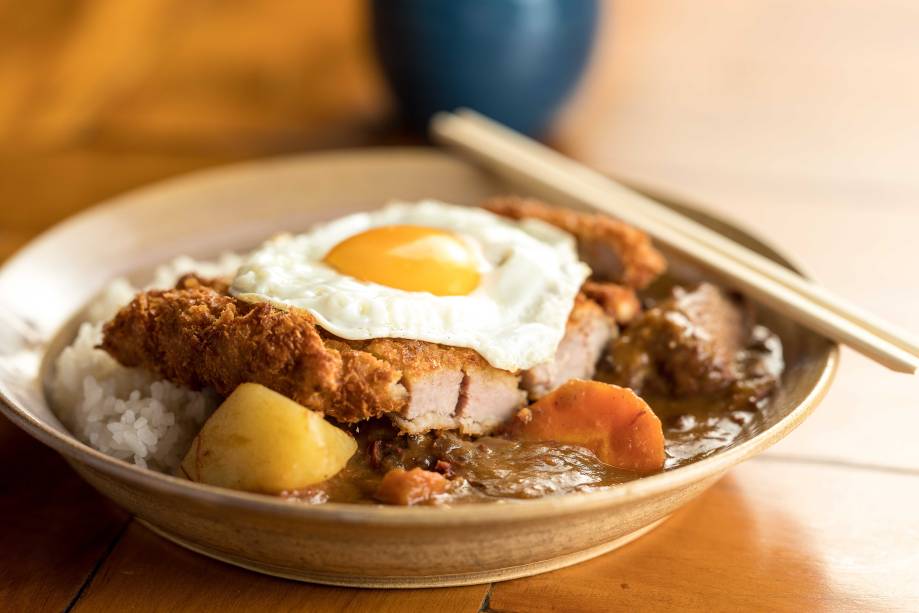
[795, 119]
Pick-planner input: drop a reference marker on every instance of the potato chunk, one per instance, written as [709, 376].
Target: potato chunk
[611, 421]
[261, 441]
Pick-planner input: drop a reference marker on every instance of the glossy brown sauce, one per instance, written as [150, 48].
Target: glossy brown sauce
[695, 427]
[495, 468]
[489, 468]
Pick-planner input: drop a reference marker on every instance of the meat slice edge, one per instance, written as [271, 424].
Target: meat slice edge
[587, 335]
[431, 373]
[489, 398]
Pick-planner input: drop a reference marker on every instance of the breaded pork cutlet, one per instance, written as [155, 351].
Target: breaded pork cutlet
[615, 252]
[199, 337]
[447, 387]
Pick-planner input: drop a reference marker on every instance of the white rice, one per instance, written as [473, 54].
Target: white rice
[129, 413]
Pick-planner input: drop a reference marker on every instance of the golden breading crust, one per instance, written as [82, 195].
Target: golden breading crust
[614, 250]
[198, 337]
[417, 358]
[409, 356]
[620, 303]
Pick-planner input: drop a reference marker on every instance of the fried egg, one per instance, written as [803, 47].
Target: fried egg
[429, 271]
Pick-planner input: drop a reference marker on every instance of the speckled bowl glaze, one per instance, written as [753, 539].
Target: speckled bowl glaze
[44, 287]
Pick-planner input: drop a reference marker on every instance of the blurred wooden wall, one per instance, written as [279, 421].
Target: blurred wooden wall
[787, 95]
[719, 100]
[178, 74]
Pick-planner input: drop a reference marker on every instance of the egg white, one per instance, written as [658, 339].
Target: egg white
[515, 318]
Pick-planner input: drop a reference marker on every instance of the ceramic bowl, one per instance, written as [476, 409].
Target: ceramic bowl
[44, 287]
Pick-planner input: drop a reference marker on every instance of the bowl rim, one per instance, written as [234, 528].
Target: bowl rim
[75, 451]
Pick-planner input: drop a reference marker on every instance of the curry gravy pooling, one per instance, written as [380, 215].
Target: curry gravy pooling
[494, 468]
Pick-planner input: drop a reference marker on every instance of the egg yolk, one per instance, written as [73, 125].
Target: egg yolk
[411, 258]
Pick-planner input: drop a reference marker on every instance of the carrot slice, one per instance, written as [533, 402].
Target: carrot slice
[612, 421]
[410, 487]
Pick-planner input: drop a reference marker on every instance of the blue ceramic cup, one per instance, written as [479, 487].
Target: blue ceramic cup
[513, 60]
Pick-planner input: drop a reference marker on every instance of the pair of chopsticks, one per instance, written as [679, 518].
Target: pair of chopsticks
[510, 153]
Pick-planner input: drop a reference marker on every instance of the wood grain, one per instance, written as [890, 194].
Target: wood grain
[54, 528]
[772, 536]
[146, 573]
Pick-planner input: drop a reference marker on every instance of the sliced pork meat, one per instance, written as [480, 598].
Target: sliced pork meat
[589, 331]
[449, 387]
[198, 336]
[614, 251]
[432, 401]
[431, 375]
[488, 398]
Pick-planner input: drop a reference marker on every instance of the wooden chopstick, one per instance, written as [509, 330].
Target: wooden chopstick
[642, 205]
[511, 153]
